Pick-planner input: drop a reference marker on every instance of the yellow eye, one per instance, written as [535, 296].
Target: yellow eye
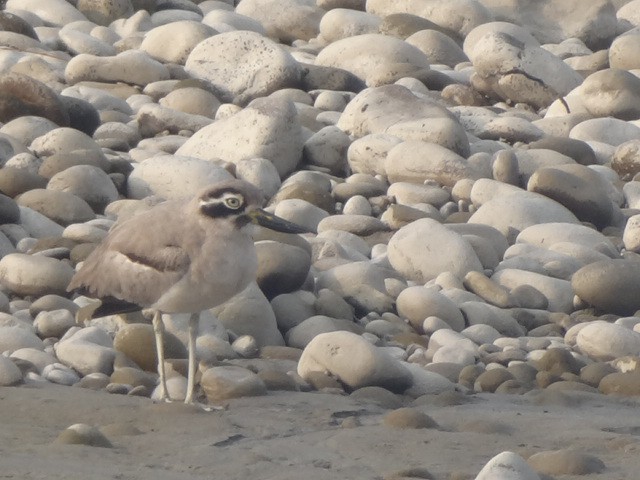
[233, 202]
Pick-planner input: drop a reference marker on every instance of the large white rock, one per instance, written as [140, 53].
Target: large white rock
[512, 213]
[286, 20]
[267, 128]
[416, 160]
[243, 65]
[57, 13]
[373, 57]
[172, 43]
[425, 248]
[517, 70]
[606, 341]
[507, 466]
[354, 361]
[173, 176]
[34, 275]
[460, 16]
[376, 109]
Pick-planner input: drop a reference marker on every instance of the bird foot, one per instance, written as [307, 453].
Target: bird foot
[85, 314]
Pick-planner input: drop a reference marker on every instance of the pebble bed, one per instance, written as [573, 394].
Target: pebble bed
[471, 169]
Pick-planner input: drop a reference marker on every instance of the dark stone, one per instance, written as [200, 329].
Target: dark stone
[22, 95]
[82, 115]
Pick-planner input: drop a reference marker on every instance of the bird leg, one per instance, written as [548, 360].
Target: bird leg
[158, 328]
[194, 320]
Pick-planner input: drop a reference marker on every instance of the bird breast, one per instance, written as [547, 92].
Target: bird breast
[222, 267]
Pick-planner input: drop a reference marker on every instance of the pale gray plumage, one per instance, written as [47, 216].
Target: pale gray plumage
[181, 257]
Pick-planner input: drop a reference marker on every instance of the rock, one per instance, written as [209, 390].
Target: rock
[131, 67]
[593, 130]
[376, 109]
[54, 323]
[9, 211]
[103, 13]
[354, 361]
[173, 42]
[89, 183]
[610, 285]
[376, 59]
[224, 383]
[368, 153]
[551, 235]
[566, 462]
[29, 275]
[137, 341]
[10, 374]
[24, 95]
[154, 119]
[514, 66]
[417, 251]
[62, 207]
[620, 383]
[249, 313]
[275, 135]
[507, 466]
[57, 12]
[83, 434]
[61, 374]
[282, 268]
[408, 417]
[285, 20]
[438, 47]
[362, 284]
[512, 213]
[243, 65]
[549, 23]
[340, 23]
[327, 148]
[626, 159]
[415, 160]
[14, 181]
[459, 17]
[485, 314]
[558, 292]
[193, 100]
[612, 93]
[85, 357]
[578, 188]
[173, 176]
[558, 361]
[425, 382]
[607, 341]
[488, 290]
[302, 334]
[418, 303]
[38, 358]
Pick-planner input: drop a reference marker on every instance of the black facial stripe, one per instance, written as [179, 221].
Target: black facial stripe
[219, 210]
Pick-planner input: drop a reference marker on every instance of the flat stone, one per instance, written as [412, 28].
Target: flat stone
[224, 383]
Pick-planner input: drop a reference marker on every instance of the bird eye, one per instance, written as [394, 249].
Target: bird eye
[233, 202]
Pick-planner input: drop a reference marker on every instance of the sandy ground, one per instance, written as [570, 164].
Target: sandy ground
[301, 436]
